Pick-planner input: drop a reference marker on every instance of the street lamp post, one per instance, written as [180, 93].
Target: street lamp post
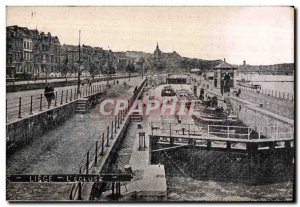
[44, 68]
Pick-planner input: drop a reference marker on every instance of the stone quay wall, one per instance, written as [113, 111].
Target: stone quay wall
[268, 124]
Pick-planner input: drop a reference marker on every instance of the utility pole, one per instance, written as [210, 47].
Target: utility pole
[79, 67]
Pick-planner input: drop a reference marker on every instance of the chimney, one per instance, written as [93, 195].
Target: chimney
[244, 62]
[224, 60]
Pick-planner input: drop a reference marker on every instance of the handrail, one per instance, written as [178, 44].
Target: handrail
[87, 164]
[168, 128]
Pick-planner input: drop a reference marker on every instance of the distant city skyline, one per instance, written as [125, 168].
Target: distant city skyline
[259, 35]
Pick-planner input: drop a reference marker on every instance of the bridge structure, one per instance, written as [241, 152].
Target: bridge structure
[219, 137]
[225, 152]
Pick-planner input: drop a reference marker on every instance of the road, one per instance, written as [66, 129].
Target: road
[11, 82]
[13, 99]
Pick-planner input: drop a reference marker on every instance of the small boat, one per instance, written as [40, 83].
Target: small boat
[215, 116]
[184, 95]
[248, 84]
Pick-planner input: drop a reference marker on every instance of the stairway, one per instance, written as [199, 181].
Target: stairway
[82, 105]
[136, 117]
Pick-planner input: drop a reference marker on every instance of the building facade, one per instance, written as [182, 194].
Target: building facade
[30, 53]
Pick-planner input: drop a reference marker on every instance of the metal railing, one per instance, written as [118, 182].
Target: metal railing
[19, 107]
[271, 105]
[97, 150]
[175, 129]
[276, 132]
[272, 93]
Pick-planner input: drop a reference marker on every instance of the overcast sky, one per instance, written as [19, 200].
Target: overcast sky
[259, 35]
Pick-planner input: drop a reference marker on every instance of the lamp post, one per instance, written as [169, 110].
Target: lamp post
[44, 66]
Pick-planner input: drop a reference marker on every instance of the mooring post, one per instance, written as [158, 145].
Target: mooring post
[142, 144]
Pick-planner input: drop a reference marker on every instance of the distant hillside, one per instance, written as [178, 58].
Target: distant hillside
[276, 69]
[137, 55]
[191, 63]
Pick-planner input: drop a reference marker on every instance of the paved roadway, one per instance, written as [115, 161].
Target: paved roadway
[49, 80]
[13, 98]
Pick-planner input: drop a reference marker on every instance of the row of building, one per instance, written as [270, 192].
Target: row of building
[38, 54]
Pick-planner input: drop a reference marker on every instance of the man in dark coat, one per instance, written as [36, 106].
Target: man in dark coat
[49, 94]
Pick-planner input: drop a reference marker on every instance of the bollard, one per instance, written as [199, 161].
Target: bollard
[87, 162]
[30, 113]
[71, 95]
[96, 153]
[55, 102]
[41, 102]
[67, 97]
[62, 95]
[102, 144]
[20, 105]
[142, 144]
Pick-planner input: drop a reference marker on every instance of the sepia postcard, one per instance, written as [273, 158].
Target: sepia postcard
[150, 104]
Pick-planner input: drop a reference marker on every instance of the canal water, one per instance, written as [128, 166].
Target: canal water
[200, 175]
[282, 83]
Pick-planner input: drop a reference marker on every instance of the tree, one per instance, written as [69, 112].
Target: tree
[130, 67]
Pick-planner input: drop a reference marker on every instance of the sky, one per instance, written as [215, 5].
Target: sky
[259, 35]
